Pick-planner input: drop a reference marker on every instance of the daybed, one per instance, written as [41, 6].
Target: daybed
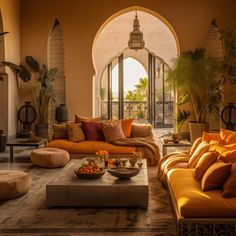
[203, 196]
[139, 138]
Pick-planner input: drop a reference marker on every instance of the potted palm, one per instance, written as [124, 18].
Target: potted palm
[44, 93]
[198, 79]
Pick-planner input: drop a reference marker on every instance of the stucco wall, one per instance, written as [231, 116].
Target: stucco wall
[81, 20]
[10, 10]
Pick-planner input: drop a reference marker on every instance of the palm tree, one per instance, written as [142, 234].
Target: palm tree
[142, 88]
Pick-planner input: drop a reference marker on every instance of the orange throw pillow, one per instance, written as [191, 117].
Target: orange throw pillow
[227, 136]
[127, 127]
[79, 119]
[202, 148]
[195, 145]
[215, 176]
[210, 136]
[204, 163]
[228, 156]
[229, 187]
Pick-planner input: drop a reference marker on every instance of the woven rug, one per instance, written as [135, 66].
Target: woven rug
[29, 215]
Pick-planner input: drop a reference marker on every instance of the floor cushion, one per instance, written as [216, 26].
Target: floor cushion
[50, 157]
[13, 184]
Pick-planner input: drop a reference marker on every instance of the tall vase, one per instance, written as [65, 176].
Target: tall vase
[61, 114]
[3, 139]
[196, 130]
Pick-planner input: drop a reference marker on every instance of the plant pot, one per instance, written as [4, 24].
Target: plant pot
[42, 130]
[196, 130]
[2, 141]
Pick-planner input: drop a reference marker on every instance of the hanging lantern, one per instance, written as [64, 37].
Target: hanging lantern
[136, 36]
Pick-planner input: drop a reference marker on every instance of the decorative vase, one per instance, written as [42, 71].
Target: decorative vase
[3, 140]
[42, 130]
[196, 130]
[61, 113]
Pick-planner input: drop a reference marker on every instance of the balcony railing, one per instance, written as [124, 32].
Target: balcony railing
[139, 111]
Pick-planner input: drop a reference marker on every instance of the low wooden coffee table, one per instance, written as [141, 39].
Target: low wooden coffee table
[108, 191]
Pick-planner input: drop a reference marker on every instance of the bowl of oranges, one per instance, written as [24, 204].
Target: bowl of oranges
[89, 170]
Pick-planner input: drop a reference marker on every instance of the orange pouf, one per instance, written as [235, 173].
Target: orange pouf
[13, 184]
[50, 157]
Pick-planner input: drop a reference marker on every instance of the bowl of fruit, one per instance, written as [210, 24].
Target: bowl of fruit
[89, 170]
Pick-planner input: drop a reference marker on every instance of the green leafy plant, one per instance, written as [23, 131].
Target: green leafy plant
[198, 79]
[44, 76]
[182, 117]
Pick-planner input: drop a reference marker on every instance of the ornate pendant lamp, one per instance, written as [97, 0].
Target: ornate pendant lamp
[136, 36]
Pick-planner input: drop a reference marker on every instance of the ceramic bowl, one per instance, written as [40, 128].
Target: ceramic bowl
[124, 172]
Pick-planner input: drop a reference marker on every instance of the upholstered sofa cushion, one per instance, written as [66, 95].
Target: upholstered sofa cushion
[192, 202]
[90, 147]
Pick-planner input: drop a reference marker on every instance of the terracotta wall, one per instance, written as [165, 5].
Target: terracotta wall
[81, 20]
[10, 10]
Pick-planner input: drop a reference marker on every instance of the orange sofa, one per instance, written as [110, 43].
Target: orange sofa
[82, 148]
[199, 212]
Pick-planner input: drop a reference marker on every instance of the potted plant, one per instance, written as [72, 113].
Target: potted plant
[198, 80]
[44, 93]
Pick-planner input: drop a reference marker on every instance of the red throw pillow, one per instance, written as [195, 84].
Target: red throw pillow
[93, 131]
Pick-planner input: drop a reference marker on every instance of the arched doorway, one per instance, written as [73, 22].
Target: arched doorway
[110, 49]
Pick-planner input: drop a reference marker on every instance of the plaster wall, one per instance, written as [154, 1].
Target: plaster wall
[10, 10]
[81, 20]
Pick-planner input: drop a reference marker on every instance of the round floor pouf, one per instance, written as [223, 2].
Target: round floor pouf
[13, 184]
[50, 157]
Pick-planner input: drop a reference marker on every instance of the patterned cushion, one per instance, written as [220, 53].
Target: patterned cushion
[75, 132]
[93, 131]
[59, 131]
[112, 130]
[79, 119]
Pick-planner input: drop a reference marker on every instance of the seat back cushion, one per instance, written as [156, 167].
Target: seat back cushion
[202, 148]
[75, 132]
[215, 176]
[79, 119]
[228, 136]
[195, 145]
[112, 130]
[210, 136]
[126, 125]
[204, 163]
[93, 131]
[229, 187]
[59, 131]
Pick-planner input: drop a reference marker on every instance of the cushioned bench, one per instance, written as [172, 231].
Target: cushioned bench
[197, 211]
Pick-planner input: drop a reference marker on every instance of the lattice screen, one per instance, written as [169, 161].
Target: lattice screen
[56, 59]
[214, 47]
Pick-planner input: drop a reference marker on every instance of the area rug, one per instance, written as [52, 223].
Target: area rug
[29, 214]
